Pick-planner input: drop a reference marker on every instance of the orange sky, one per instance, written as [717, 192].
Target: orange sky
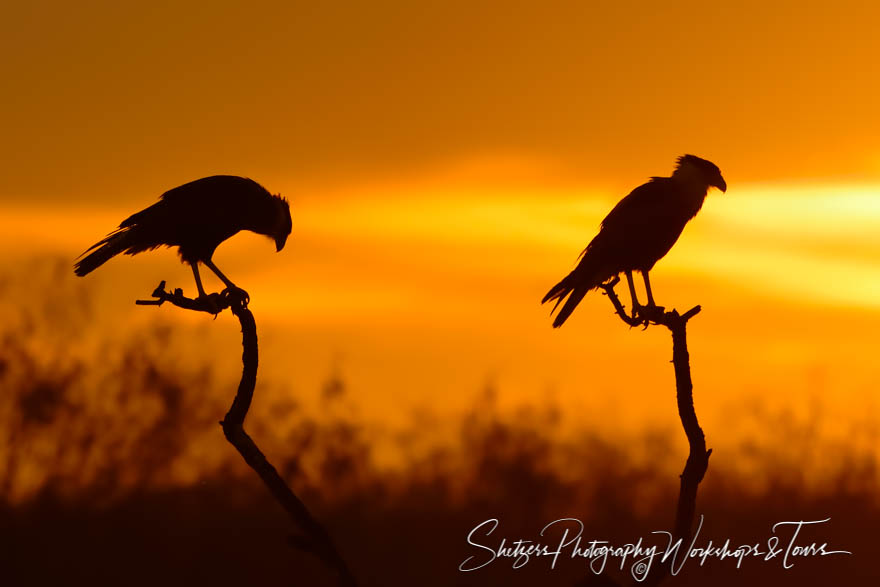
[446, 162]
[109, 101]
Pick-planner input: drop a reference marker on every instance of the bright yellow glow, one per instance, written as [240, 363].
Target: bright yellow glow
[439, 282]
[383, 248]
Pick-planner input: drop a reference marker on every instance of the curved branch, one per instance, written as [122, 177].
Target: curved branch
[317, 541]
[698, 457]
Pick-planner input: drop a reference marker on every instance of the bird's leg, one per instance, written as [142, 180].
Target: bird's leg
[210, 265]
[231, 287]
[651, 303]
[632, 293]
[195, 268]
[202, 295]
[652, 311]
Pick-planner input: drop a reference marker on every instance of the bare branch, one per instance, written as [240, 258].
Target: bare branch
[316, 540]
[212, 304]
[646, 315]
[698, 457]
[608, 286]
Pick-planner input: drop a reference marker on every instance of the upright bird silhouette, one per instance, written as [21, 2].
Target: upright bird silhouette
[638, 232]
[196, 217]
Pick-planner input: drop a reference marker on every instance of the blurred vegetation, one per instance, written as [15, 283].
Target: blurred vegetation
[113, 461]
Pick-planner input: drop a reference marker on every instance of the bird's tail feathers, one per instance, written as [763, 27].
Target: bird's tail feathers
[577, 294]
[574, 286]
[101, 252]
[557, 292]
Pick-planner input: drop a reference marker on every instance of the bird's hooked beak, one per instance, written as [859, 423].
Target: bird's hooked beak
[279, 242]
[721, 184]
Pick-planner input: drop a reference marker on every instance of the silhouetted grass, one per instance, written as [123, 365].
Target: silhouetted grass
[115, 472]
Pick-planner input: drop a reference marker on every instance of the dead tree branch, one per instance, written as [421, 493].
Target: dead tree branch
[698, 457]
[317, 540]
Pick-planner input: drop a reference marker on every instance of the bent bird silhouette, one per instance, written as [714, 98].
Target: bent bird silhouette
[638, 232]
[196, 217]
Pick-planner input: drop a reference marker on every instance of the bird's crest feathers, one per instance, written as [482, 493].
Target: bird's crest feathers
[696, 162]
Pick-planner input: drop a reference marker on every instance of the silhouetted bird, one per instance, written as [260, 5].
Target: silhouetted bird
[196, 217]
[638, 232]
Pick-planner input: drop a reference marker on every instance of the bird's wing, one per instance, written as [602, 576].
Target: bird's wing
[637, 215]
[641, 205]
[208, 189]
[196, 201]
[180, 214]
[631, 236]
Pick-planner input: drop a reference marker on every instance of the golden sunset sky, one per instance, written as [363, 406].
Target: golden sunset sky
[447, 161]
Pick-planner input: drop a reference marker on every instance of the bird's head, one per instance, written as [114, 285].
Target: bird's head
[692, 168]
[282, 223]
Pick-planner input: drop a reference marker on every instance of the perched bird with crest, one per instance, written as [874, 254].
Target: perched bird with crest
[196, 217]
[638, 232]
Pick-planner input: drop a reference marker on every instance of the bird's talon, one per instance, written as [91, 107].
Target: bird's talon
[210, 302]
[649, 313]
[653, 310]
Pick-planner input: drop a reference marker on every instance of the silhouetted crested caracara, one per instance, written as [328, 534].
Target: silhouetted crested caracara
[638, 232]
[196, 217]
